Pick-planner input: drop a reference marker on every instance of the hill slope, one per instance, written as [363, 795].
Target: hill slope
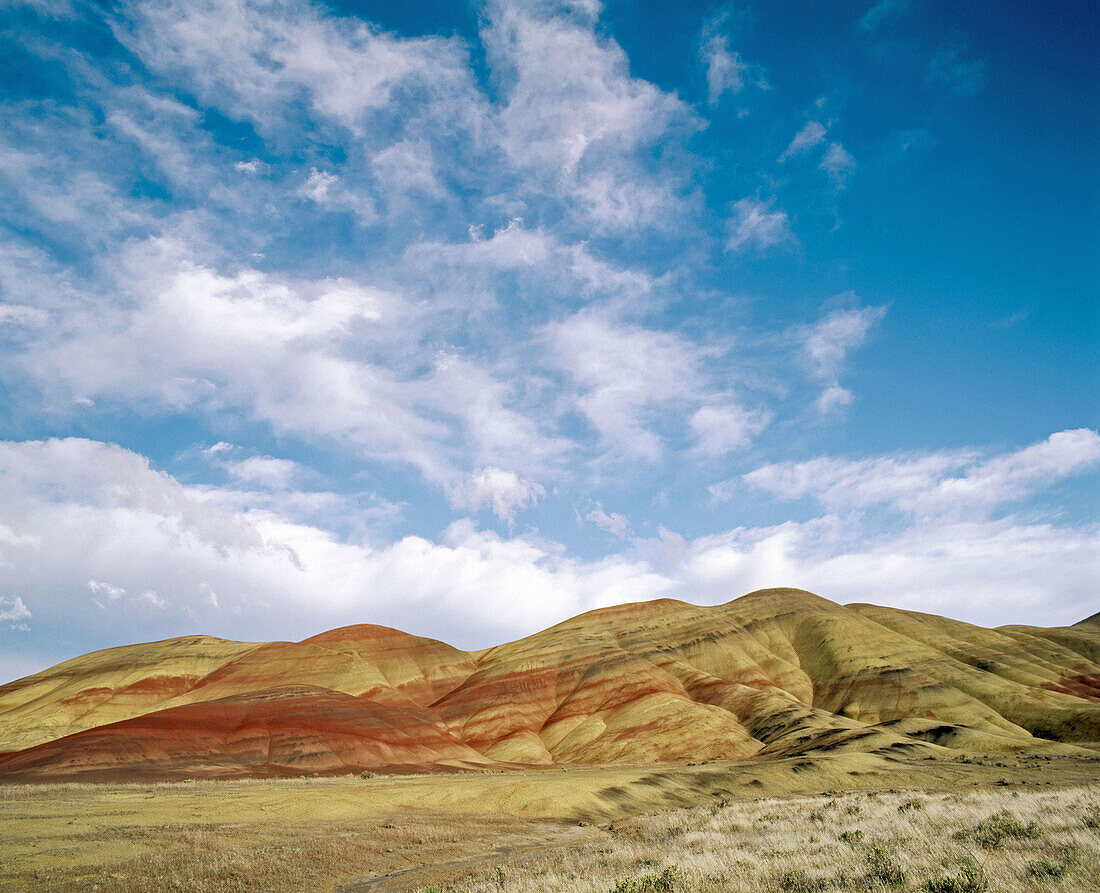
[776, 672]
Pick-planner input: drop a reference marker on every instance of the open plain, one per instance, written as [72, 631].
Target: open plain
[1029, 822]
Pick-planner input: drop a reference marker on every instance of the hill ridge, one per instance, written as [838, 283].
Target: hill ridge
[771, 672]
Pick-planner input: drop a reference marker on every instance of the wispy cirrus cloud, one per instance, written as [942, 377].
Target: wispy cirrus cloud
[944, 483]
[812, 134]
[725, 427]
[754, 225]
[825, 347]
[838, 164]
[952, 69]
[625, 373]
[881, 13]
[576, 122]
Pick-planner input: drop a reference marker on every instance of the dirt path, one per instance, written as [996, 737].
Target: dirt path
[447, 872]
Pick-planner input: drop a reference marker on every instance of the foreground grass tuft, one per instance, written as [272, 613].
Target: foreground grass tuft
[967, 877]
[1041, 869]
[668, 881]
[998, 828]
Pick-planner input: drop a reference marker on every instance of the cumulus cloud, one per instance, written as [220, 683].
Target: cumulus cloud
[494, 488]
[987, 572]
[93, 520]
[331, 358]
[13, 610]
[754, 225]
[265, 471]
[726, 71]
[724, 68]
[614, 523]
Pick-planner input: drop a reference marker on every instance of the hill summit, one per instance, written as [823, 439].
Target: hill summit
[777, 672]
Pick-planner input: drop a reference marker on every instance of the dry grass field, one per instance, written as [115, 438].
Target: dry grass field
[1021, 822]
[984, 839]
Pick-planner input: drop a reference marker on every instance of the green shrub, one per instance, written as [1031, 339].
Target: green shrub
[881, 868]
[968, 877]
[852, 838]
[668, 881]
[797, 881]
[1041, 869]
[1001, 826]
[366, 773]
[1092, 818]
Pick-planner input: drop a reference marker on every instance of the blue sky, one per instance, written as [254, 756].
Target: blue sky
[465, 318]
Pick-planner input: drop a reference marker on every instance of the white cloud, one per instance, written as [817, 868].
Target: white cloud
[327, 190]
[826, 345]
[576, 121]
[809, 136]
[257, 59]
[755, 225]
[330, 358]
[73, 200]
[405, 168]
[96, 511]
[109, 592]
[724, 428]
[945, 483]
[724, 68]
[265, 471]
[989, 573]
[832, 399]
[318, 186]
[950, 68]
[625, 372]
[494, 488]
[91, 511]
[13, 610]
[614, 523]
[726, 71]
[881, 13]
[20, 315]
[838, 164]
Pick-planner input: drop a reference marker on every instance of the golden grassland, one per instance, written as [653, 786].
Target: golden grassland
[983, 839]
[748, 825]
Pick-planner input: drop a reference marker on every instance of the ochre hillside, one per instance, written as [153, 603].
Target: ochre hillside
[778, 672]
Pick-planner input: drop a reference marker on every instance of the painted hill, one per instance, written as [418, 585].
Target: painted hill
[776, 672]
